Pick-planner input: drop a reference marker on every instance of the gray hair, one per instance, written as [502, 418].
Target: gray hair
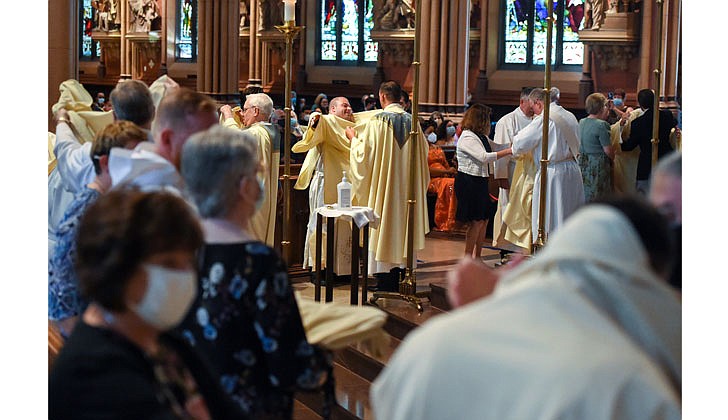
[213, 163]
[537, 94]
[555, 94]
[670, 165]
[132, 101]
[261, 101]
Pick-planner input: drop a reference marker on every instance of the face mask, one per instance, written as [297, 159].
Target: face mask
[306, 117]
[618, 102]
[432, 137]
[294, 122]
[101, 101]
[451, 131]
[168, 296]
[261, 196]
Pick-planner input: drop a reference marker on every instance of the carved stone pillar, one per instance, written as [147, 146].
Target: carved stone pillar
[481, 85]
[672, 52]
[445, 55]
[62, 48]
[254, 76]
[219, 27]
[586, 84]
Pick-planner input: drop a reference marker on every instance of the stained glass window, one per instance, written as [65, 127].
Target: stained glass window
[524, 33]
[89, 50]
[344, 32]
[186, 42]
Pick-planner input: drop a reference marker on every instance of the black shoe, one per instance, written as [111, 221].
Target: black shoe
[387, 282]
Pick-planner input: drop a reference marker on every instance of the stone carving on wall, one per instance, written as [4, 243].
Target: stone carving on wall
[593, 14]
[244, 14]
[394, 14]
[271, 14]
[142, 14]
[614, 56]
[400, 52]
[108, 15]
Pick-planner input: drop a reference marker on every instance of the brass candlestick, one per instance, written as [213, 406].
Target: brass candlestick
[289, 31]
[542, 236]
[408, 286]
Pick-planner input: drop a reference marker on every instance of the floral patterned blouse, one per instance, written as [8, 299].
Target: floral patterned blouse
[246, 322]
[64, 300]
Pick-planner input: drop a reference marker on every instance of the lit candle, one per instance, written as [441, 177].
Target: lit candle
[289, 11]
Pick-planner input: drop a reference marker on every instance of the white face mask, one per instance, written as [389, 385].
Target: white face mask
[168, 296]
[432, 137]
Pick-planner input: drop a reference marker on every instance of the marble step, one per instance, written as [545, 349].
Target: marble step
[352, 397]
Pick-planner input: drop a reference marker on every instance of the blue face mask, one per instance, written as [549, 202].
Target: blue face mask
[451, 131]
[432, 138]
[618, 102]
[101, 101]
[294, 122]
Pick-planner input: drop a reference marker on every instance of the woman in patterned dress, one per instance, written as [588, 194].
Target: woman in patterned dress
[596, 152]
[245, 319]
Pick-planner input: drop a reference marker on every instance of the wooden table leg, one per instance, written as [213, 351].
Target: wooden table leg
[330, 234]
[317, 281]
[365, 266]
[354, 264]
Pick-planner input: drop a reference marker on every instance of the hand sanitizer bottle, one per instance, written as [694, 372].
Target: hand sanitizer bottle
[344, 190]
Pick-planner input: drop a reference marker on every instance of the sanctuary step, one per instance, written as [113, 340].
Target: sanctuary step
[355, 368]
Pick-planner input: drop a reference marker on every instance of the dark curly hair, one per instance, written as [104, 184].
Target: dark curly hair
[122, 229]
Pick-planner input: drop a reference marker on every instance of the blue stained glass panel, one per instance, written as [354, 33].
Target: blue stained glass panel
[539, 33]
[328, 20]
[516, 21]
[184, 41]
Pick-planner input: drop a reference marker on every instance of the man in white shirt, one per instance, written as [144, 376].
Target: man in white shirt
[181, 113]
[505, 129]
[564, 185]
[566, 121]
[131, 101]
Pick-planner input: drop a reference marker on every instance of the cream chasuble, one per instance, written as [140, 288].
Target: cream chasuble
[263, 222]
[517, 216]
[328, 156]
[380, 168]
[624, 170]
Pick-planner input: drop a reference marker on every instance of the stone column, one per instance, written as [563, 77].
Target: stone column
[671, 42]
[481, 86]
[218, 36]
[444, 55]
[62, 49]
[586, 84]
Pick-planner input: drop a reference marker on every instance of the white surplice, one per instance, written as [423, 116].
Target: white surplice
[585, 330]
[565, 188]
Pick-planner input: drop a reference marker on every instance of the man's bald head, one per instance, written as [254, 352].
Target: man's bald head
[341, 107]
[181, 113]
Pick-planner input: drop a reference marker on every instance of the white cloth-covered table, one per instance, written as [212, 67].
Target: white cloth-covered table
[362, 219]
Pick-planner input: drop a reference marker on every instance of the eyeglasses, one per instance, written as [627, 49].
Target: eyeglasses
[250, 107]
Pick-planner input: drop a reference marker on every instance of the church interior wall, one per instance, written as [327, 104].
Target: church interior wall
[310, 78]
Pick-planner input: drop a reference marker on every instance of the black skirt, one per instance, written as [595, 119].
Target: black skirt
[474, 202]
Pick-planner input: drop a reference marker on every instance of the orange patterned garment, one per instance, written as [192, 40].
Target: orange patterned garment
[446, 204]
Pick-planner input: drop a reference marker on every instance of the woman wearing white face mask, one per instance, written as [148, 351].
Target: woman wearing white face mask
[245, 318]
[135, 254]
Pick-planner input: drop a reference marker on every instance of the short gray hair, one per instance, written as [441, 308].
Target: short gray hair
[261, 101]
[555, 94]
[213, 163]
[132, 101]
[537, 94]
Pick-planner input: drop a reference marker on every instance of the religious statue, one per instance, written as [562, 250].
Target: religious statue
[115, 15]
[593, 14]
[244, 14]
[271, 13]
[102, 14]
[397, 14]
[141, 15]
